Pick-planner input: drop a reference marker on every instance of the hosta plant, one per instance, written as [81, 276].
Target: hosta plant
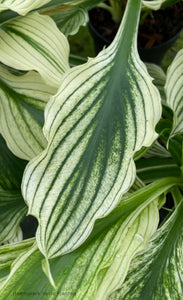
[94, 153]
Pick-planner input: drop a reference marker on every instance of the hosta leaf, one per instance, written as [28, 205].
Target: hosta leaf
[22, 103]
[12, 211]
[78, 274]
[17, 237]
[174, 92]
[35, 43]
[104, 112]
[151, 169]
[157, 273]
[68, 18]
[54, 5]
[8, 254]
[157, 150]
[159, 77]
[21, 7]
[11, 168]
[156, 4]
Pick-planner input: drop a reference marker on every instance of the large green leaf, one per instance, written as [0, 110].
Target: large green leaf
[22, 103]
[174, 92]
[157, 273]
[12, 211]
[112, 244]
[104, 111]
[35, 43]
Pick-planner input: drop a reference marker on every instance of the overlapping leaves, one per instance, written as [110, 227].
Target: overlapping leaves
[90, 268]
[157, 273]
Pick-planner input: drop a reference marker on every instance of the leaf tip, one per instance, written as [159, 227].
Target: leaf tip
[47, 271]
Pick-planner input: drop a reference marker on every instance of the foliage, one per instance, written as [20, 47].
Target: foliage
[92, 150]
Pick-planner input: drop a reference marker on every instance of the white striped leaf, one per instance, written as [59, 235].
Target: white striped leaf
[157, 150]
[157, 4]
[11, 168]
[12, 211]
[157, 273]
[174, 92]
[22, 103]
[78, 274]
[17, 237]
[9, 253]
[104, 111]
[159, 77]
[35, 43]
[21, 7]
[68, 18]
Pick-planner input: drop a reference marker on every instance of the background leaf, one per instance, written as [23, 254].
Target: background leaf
[174, 92]
[35, 43]
[11, 168]
[68, 17]
[23, 99]
[12, 211]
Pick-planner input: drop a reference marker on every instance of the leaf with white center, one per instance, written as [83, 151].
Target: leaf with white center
[68, 18]
[11, 168]
[21, 7]
[157, 273]
[174, 92]
[22, 102]
[35, 43]
[104, 111]
[12, 211]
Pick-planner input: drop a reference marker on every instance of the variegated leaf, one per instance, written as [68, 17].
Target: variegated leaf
[157, 150]
[35, 43]
[159, 77]
[157, 273]
[112, 244]
[157, 4]
[174, 92]
[9, 253]
[104, 111]
[12, 211]
[21, 7]
[68, 18]
[22, 103]
[17, 237]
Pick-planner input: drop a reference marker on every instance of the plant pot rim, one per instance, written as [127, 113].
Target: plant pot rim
[172, 39]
